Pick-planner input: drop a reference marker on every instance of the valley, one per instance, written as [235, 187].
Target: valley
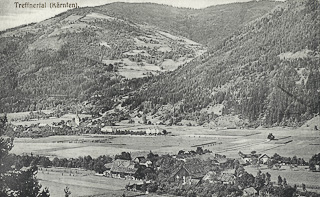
[290, 142]
[145, 99]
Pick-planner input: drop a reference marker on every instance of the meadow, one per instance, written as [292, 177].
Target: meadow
[289, 143]
[80, 182]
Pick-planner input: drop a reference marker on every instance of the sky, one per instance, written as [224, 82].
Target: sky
[11, 16]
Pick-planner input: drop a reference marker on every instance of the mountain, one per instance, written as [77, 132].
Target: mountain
[100, 54]
[207, 26]
[266, 73]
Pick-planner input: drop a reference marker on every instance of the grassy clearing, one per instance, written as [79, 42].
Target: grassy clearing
[303, 175]
[80, 182]
[229, 143]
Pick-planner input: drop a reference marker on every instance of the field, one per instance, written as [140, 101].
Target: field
[302, 175]
[80, 182]
[289, 142]
[83, 183]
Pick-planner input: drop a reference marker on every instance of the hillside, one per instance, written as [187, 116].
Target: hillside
[83, 53]
[207, 26]
[267, 73]
[98, 54]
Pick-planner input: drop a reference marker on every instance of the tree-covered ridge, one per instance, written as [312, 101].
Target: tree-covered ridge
[268, 72]
[207, 26]
[82, 54]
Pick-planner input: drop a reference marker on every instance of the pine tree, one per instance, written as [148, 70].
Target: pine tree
[14, 182]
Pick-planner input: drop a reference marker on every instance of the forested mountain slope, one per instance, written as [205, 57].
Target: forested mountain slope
[91, 54]
[268, 72]
[82, 54]
[207, 26]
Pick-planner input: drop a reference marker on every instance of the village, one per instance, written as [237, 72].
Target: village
[188, 174]
[150, 171]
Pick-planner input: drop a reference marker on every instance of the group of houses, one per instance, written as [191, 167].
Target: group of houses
[185, 177]
[121, 168]
[142, 131]
[127, 169]
[253, 158]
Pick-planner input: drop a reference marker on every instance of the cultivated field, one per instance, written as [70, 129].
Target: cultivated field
[80, 182]
[300, 143]
[289, 142]
[84, 183]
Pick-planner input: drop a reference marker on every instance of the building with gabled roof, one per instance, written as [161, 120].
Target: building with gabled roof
[185, 176]
[250, 192]
[210, 177]
[142, 161]
[264, 158]
[123, 169]
[227, 178]
[180, 175]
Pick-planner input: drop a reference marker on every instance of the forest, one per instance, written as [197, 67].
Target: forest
[252, 73]
[264, 70]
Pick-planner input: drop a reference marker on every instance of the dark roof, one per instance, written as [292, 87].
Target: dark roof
[192, 174]
[123, 166]
[141, 158]
[178, 170]
[264, 156]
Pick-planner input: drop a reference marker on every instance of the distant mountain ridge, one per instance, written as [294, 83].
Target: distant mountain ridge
[207, 26]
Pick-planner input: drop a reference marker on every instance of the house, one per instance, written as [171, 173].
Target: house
[107, 129]
[227, 178]
[220, 161]
[139, 159]
[264, 159]
[123, 169]
[108, 167]
[142, 161]
[250, 192]
[249, 158]
[242, 162]
[154, 131]
[181, 175]
[77, 120]
[137, 186]
[210, 177]
[245, 157]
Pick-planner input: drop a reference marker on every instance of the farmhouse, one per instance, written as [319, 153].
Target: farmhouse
[107, 129]
[121, 168]
[227, 178]
[249, 158]
[264, 159]
[245, 157]
[210, 177]
[249, 192]
[142, 161]
[137, 186]
[108, 167]
[181, 175]
[184, 176]
[220, 161]
[155, 131]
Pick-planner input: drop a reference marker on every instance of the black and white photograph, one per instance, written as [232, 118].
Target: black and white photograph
[159, 98]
